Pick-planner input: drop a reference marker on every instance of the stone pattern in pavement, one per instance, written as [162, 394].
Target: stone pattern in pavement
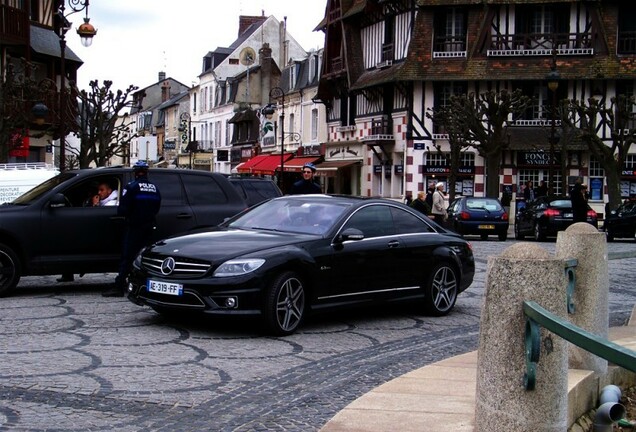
[71, 360]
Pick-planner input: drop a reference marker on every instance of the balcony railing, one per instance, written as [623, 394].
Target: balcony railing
[626, 42]
[14, 25]
[381, 130]
[524, 44]
[449, 46]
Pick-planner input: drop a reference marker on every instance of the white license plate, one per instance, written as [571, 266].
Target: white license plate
[488, 227]
[165, 287]
[567, 215]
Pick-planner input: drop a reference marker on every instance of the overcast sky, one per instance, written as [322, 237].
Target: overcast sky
[138, 38]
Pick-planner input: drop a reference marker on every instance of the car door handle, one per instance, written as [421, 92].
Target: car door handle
[393, 244]
[184, 215]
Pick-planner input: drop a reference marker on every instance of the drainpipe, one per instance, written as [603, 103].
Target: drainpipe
[610, 411]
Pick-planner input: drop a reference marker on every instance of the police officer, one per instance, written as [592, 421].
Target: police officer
[139, 204]
[306, 185]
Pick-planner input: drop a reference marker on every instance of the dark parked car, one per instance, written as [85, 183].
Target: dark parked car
[255, 189]
[546, 216]
[52, 230]
[480, 216]
[621, 222]
[296, 254]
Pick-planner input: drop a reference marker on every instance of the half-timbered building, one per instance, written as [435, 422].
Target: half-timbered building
[387, 63]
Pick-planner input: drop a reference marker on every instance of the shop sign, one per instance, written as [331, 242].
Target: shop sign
[377, 169]
[539, 158]
[310, 150]
[463, 170]
[628, 173]
[399, 169]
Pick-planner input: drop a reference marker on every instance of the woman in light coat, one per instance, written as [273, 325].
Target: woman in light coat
[439, 206]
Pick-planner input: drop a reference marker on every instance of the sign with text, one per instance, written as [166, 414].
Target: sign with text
[537, 159]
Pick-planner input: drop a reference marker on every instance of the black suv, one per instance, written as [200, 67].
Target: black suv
[255, 189]
[52, 229]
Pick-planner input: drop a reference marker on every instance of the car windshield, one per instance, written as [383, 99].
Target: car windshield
[627, 208]
[307, 216]
[41, 189]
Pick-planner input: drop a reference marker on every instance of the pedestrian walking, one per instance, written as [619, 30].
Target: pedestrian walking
[139, 204]
[420, 204]
[578, 196]
[439, 207]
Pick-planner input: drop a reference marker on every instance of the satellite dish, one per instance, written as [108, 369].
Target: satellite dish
[247, 56]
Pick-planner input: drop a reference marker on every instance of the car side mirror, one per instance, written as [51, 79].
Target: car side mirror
[58, 200]
[350, 234]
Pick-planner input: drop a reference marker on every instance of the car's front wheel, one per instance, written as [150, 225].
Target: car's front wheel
[285, 304]
[441, 289]
[9, 270]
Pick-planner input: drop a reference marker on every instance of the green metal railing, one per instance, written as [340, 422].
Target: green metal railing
[537, 316]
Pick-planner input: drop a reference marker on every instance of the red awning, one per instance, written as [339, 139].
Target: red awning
[296, 164]
[270, 164]
[246, 167]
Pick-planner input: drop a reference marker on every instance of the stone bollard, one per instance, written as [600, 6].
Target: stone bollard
[591, 311]
[523, 272]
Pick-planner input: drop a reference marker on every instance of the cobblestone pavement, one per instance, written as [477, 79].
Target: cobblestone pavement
[71, 360]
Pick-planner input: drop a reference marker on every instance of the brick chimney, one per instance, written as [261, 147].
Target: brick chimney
[245, 21]
[165, 89]
[266, 62]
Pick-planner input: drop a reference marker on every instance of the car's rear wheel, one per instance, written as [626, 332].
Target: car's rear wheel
[441, 289]
[285, 304]
[518, 234]
[9, 270]
[539, 235]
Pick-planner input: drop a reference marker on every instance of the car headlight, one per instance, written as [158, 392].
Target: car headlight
[137, 261]
[238, 267]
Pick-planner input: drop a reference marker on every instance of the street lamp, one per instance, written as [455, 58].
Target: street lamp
[86, 32]
[552, 78]
[277, 92]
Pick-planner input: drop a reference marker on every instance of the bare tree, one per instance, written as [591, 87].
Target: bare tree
[104, 125]
[618, 120]
[454, 126]
[479, 121]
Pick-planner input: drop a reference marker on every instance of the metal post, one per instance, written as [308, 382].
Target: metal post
[282, 140]
[62, 125]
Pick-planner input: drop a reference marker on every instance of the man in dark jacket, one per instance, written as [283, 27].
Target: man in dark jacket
[139, 204]
[306, 185]
[578, 195]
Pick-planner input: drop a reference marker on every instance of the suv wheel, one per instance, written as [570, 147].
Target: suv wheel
[9, 270]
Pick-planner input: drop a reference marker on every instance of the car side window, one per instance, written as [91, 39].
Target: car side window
[81, 194]
[169, 185]
[203, 190]
[407, 223]
[373, 221]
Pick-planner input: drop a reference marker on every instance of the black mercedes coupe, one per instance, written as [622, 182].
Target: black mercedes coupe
[294, 255]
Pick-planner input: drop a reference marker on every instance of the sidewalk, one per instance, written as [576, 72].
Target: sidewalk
[441, 396]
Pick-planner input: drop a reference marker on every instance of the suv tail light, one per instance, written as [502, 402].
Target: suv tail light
[591, 214]
[552, 212]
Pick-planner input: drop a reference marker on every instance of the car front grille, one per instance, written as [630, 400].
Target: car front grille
[183, 267]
